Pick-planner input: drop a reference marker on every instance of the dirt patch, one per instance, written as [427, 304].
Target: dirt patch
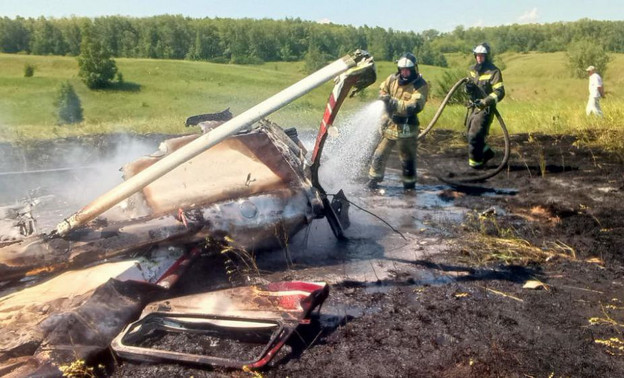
[481, 321]
[447, 298]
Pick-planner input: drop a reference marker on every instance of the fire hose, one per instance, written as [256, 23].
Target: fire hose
[461, 181]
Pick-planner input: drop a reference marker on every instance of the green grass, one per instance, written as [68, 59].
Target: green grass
[170, 91]
[541, 95]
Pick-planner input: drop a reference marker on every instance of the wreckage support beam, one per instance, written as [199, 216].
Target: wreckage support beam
[160, 168]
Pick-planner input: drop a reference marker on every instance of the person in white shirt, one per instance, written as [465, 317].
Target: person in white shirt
[596, 91]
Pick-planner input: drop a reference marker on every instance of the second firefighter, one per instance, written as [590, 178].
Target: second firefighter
[485, 88]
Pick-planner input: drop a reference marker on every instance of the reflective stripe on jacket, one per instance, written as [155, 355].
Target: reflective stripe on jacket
[490, 80]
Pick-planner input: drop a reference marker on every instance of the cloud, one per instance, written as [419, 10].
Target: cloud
[529, 17]
[478, 24]
[324, 21]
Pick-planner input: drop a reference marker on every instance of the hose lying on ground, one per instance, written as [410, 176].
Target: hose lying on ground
[461, 181]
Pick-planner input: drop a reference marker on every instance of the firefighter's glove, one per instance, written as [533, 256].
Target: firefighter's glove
[471, 87]
[480, 103]
[385, 98]
[411, 109]
[392, 104]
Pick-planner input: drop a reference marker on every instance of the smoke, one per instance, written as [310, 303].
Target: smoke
[102, 170]
[65, 175]
[72, 173]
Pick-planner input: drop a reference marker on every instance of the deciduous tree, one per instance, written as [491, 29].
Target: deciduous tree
[584, 53]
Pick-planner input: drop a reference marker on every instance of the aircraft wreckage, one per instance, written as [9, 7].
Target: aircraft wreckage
[69, 293]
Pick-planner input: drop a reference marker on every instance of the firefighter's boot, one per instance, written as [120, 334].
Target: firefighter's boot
[488, 154]
[372, 184]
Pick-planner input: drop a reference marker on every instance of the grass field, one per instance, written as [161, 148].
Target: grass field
[160, 94]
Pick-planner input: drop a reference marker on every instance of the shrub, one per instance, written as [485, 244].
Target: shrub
[446, 82]
[585, 53]
[29, 70]
[97, 68]
[68, 105]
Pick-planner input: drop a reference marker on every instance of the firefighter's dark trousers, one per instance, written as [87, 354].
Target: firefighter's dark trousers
[478, 123]
[407, 155]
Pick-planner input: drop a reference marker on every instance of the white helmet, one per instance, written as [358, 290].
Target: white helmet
[483, 48]
[405, 62]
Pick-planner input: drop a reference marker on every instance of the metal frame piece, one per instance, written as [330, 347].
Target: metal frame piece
[261, 318]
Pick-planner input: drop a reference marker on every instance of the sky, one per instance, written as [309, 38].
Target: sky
[441, 15]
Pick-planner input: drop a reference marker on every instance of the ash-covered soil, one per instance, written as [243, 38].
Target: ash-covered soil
[443, 294]
[450, 300]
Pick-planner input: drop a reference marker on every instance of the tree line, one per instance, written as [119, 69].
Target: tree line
[558, 36]
[250, 41]
[244, 41]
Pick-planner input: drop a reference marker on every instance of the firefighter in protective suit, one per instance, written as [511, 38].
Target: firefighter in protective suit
[404, 94]
[485, 88]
